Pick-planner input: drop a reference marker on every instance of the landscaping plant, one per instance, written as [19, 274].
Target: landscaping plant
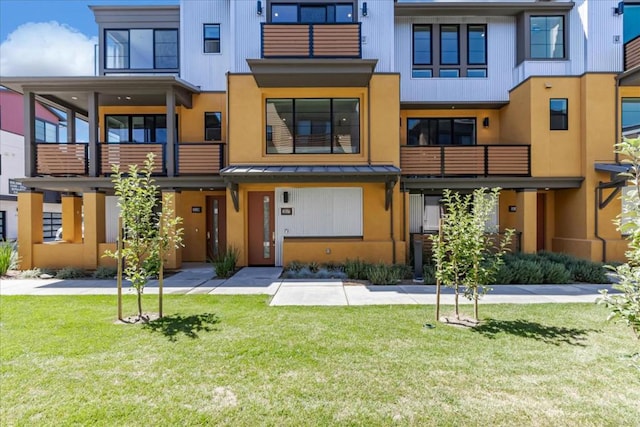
[625, 307]
[8, 257]
[225, 264]
[466, 257]
[145, 232]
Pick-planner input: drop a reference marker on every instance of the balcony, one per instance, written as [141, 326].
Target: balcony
[311, 41]
[469, 160]
[72, 159]
[632, 54]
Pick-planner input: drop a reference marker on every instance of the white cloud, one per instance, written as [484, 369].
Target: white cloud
[47, 49]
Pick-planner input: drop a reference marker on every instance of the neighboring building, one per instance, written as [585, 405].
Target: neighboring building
[328, 130]
[47, 129]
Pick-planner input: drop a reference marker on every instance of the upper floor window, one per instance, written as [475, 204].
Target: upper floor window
[138, 49]
[211, 38]
[460, 50]
[312, 13]
[137, 128]
[313, 126]
[441, 131]
[546, 36]
[558, 114]
[46, 131]
[213, 126]
[631, 117]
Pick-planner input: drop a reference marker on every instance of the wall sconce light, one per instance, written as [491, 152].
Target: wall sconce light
[485, 122]
[365, 11]
[259, 8]
[285, 197]
[619, 10]
[548, 85]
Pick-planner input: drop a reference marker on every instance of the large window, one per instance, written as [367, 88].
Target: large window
[141, 49]
[211, 38]
[558, 114]
[312, 13]
[631, 117]
[449, 50]
[313, 126]
[213, 126]
[137, 128]
[46, 131]
[546, 36]
[441, 131]
[51, 222]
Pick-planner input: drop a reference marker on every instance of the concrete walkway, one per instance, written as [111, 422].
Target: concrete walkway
[198, 279]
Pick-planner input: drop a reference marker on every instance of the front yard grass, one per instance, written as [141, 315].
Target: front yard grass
[232, 360]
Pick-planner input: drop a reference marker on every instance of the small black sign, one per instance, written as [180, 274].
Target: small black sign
[196, 209]
[286, 211]
[15, 187]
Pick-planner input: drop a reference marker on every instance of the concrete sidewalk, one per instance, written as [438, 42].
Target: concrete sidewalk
[198, 279]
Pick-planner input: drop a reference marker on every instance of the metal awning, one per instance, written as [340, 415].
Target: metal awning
[478, 8]
[81, 184]
[237, 174]
[614, 168]
[506, 183]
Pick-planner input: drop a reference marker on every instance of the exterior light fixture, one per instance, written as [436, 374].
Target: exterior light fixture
[485, 122]
[285, 197]
[365, 11]
[619, 10]
[259, 8]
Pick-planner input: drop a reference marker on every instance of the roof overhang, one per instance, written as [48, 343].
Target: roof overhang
[312, 72]
[489, 105]
[477, 8]
[81, 184]
[630, 77]
[238, 174]
[613, 168]
[73, 92]
[506, 183]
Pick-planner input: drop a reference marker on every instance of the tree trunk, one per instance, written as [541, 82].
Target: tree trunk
[475, 304]
[456, 305]
[139, 305]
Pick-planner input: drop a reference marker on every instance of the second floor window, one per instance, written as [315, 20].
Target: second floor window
[137, 128]
[141, 49]
[441, 131]
[558, 114]
[213, 126]
[313, 126]
[211, 38]
[546, 36]
[449, 50]
[46, 131]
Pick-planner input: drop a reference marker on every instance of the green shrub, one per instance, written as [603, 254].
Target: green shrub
[382, 274]
[356, 269]
[294, 266]
[225, 264]
[429, 274]
[558, 257]
[504, 275]
[8, 257]
[588, 272]
[554, 272]
[71, 273]
[31, 274]
[103, 272]
[526, 271]
[314, 266]
[403, 271]
[333, 266]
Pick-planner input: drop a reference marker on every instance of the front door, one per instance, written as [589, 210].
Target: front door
[216, 226]
[261, 228]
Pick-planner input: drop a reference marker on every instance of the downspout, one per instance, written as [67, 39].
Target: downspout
[369, 123]
[596, 206]
[226, 121]
[393, 238]
[618, 120]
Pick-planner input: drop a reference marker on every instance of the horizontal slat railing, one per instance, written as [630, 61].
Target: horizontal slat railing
[311, 40]
[632, 53]
[199, 158]
[125, 154]
[466, 160]
[61, 159]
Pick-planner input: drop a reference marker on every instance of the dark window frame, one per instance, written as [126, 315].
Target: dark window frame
[45, 122]
[206, 128]
[563, 116]
[299, 4]
[269, 132]
[205, 38]
[458, 42]
[463, 64]
[524, 35]
[474, 64]
[105, 56]
[436, 123]
[51, 222]
[130, 128]
[3, 225]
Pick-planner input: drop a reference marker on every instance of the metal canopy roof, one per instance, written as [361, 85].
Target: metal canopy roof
[507, 183]
[306, 173]
[612, 167]
[305, 72]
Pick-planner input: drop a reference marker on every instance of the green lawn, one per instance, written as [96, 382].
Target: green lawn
[235, 361]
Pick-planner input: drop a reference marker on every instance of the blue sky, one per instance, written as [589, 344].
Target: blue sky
[75, 13]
